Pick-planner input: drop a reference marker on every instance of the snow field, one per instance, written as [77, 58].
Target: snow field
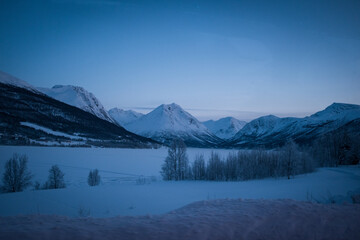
[131, 185]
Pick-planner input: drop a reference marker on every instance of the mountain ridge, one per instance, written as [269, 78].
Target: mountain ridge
[33, 118]
[272, 131]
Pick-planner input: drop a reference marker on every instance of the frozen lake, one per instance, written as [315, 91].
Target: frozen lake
[120, 194]
[114, 164]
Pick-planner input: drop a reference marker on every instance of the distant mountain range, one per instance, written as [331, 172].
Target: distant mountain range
[70, 115]
[271, 131]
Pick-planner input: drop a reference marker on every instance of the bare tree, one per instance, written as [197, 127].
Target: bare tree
[16, 177]
[176, 164]
[215, 168]
[290, 158]
[55, 179]
[198, 168]
[94, 178]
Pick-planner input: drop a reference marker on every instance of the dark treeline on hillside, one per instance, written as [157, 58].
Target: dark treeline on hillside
[337, 148]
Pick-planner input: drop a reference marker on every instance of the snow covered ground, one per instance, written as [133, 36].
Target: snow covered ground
[131, 184]
[215, 219]
[133, 203]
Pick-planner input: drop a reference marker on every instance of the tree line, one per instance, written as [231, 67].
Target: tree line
[329, 150]
[17, 176]
[337, 148]
[287, 161]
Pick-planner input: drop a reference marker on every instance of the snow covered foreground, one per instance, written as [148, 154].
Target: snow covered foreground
[215, 219]
[131, 185]
[122, 207]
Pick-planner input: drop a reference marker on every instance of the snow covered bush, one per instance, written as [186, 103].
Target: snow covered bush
[16, 176]
[141, 180]
[94, 178]
[55, 179]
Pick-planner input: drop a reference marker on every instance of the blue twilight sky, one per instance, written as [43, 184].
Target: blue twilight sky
[214, 58]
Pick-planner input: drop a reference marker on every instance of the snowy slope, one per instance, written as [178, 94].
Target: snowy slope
[78, 97]
[123, 117]
[270, 130]
[225, 127]
[170, 121]
[11, 80]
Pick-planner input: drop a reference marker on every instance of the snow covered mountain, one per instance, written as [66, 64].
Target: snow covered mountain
[272, 131]
[225, 128]
[124, 117]
[78, 97]
[29, 117]
[13, 81]
[170, 121]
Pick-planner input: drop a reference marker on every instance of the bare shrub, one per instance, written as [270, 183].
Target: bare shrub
[16, 177]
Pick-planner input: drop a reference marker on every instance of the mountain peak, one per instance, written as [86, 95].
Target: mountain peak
[169, 121]
[78, 97]
[342, 107]
[336, 109]
[170, 107]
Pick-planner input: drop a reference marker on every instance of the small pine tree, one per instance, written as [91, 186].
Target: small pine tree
[16, 177]
[94, 178]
